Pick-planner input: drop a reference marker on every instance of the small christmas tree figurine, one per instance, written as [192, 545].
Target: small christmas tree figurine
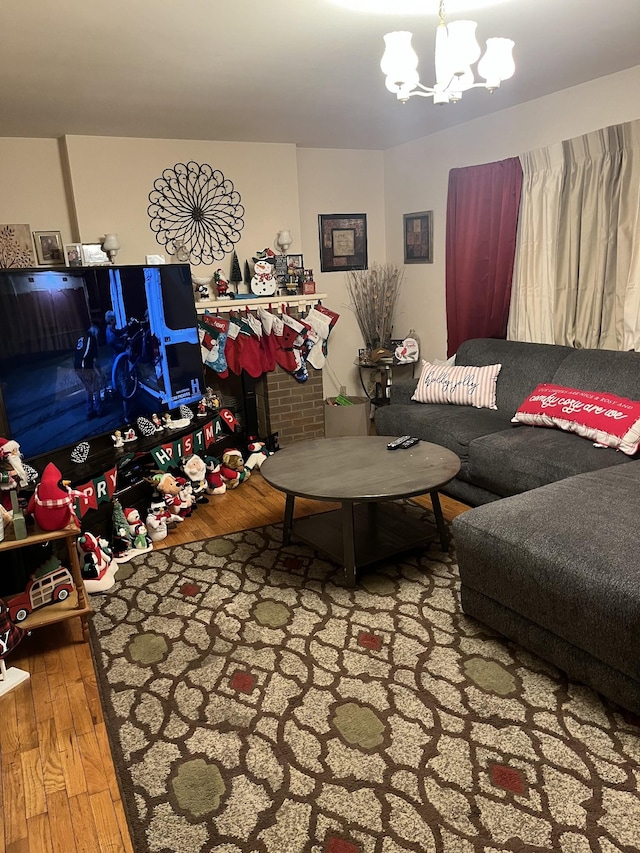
[122, 540]
[236, 275]
[247, 276]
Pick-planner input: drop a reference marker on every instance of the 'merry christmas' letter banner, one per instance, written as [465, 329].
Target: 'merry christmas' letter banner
[101, 489]
[197, 442]
[97, 491]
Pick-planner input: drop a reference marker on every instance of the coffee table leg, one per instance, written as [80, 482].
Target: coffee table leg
[348, 543]
[288, 519]
[442, 527]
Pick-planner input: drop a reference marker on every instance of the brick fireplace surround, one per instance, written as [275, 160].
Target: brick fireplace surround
[276, 401]
[294, 410]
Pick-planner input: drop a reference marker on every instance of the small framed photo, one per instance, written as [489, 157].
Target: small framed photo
[73, 254]
[418, 237]
[93, 255]
[343, 241]
[48, 248]
[295, 262]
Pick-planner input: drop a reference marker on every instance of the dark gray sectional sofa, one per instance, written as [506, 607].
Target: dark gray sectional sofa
[551, 558]
[499, 458]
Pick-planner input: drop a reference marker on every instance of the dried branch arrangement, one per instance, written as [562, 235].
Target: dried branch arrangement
[373, 294]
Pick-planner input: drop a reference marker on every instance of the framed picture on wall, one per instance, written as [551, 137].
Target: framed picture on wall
[48, 248]
[295, 262]
[343, 241]
[73, 254]
[93, 255]
[16, 248]
[418, 237]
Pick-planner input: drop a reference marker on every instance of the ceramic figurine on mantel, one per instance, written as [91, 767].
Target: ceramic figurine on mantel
[236, 276]
[263, 281]
[221, 284]
[201, 286]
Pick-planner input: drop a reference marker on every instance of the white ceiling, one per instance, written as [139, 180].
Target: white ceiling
[299, 71]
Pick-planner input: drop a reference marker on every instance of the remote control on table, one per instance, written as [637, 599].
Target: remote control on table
[409, 442]
[402, 442]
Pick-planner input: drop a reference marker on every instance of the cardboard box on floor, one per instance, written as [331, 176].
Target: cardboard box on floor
[347, 420]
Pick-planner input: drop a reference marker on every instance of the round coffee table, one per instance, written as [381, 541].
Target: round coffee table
[366, 478]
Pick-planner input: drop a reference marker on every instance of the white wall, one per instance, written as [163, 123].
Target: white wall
[112, 178]
[337, 181]
[416, 175]
[284, 187]
[33, 191]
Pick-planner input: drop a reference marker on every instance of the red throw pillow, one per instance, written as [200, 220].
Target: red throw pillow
[604, 418]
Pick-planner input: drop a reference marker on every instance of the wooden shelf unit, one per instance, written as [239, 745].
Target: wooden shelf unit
[77, 605]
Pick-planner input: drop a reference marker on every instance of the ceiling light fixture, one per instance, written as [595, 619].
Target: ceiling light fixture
[456, 51]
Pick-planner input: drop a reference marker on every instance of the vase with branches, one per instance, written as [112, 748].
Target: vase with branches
[374, 294]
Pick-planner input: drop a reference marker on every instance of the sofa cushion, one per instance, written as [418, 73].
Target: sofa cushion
[600, 370]
[551, 556]
[458, 385]
[604, 418]
[521, 458]
[454, 427]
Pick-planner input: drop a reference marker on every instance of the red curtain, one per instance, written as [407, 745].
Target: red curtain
[482, 218]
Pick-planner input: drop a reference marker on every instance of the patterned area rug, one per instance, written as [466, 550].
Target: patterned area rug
[255, 705]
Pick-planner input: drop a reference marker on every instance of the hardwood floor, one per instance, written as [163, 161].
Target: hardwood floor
[59, 790]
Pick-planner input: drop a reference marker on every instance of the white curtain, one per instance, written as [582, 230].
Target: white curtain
[577, 266]
[531, 312]
[628, 258]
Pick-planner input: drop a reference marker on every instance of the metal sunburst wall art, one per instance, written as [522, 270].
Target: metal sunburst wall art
[195, 213]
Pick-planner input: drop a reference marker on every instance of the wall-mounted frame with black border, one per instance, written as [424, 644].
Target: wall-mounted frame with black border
[418, 237]
[343, 241]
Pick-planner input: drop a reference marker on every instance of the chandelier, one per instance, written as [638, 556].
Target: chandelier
[456, 51]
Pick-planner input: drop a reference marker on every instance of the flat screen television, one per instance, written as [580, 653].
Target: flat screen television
[87, 350]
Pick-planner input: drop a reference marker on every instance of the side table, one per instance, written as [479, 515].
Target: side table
[385, 373]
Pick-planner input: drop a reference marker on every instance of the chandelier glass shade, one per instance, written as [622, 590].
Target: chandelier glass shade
[456, 50]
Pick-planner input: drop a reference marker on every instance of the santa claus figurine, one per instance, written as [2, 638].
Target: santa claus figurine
[52, 503]
[11, 456]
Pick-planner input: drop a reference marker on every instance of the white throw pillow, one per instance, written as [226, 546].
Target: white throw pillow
[459, 385]
[450, 361]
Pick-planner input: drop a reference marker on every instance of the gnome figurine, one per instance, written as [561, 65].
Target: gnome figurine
[52, 503]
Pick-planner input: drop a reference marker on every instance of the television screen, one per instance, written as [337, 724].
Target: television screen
[86, 351]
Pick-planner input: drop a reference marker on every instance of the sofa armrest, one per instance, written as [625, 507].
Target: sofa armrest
[402, 390]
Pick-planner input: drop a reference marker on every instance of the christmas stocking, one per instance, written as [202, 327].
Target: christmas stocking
[299, 346]
[268, 343]
[320, 324]
[251, 351]
[216, 330]
[232, 348]
[285, 337]
[323, 315]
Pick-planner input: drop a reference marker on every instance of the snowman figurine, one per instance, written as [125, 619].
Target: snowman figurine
[264, 282]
